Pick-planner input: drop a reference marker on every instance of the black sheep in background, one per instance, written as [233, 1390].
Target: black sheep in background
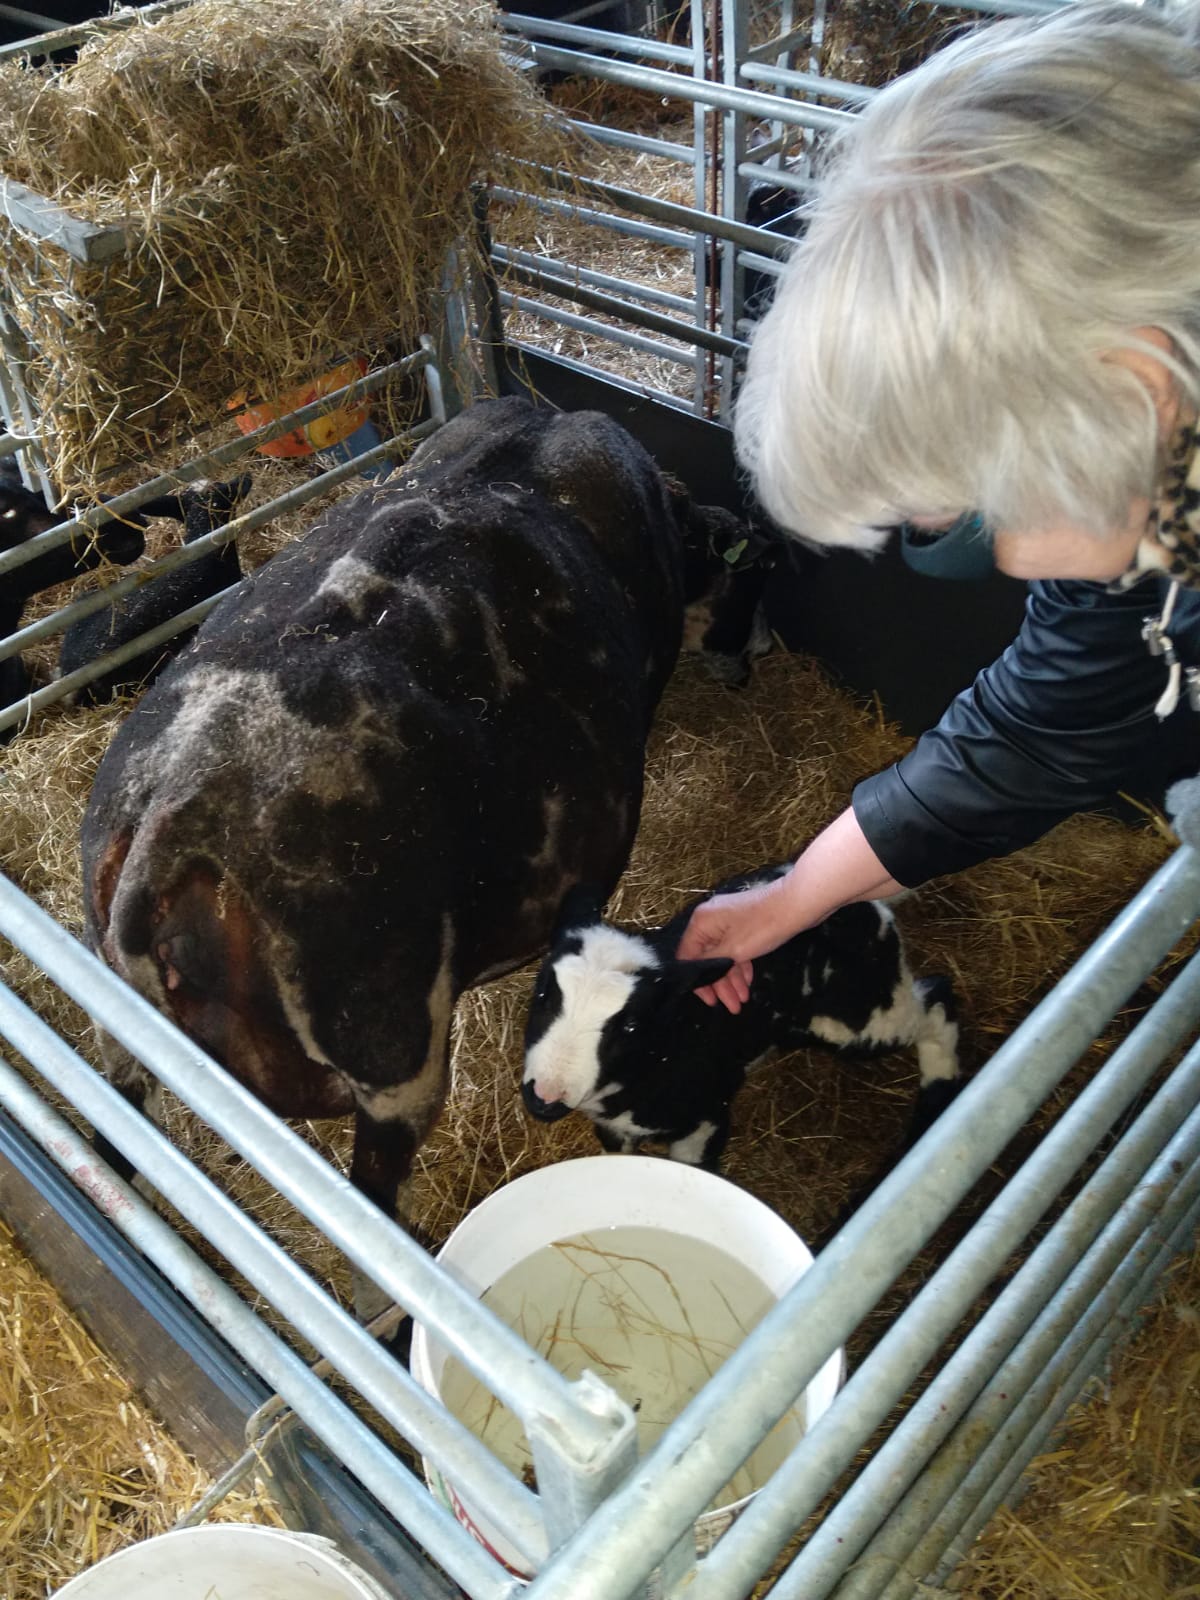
[201, 507]
[779, 210]
[23, 514]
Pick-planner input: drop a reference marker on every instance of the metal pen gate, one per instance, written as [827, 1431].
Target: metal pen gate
[618, 1525]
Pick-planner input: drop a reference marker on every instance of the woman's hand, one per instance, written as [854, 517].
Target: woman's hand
[838, 867]
[724, 926]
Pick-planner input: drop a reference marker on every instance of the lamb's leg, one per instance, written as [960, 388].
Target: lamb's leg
[921, 1012]
[704, 1146]
[614, 1141]
[937, 1054]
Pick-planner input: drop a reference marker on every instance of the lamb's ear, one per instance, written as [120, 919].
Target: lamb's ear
[581, 907]
[681, 977]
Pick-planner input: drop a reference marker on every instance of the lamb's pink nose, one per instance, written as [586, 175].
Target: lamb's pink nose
[544, 1110]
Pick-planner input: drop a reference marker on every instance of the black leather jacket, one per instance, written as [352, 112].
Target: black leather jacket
[1060, 723]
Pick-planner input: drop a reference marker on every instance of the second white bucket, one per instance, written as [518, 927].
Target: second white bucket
[232, 1561]
[664, 1217]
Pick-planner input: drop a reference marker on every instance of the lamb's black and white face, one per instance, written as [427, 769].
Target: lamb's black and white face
[585, 1000]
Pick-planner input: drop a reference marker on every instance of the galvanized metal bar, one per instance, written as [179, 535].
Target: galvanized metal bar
[765, 150]
[204, 466]
[60, 38]
[598, 330]
[806, 82]
[643, 143]
[674, 86]
[433, 385]
[386, 1385]
[735, 36]
[1076, 1334]
[671, 212]
[786, 48]
[1047, 1413]
[30, 19]
[503, 255]
[486, 1346]
[577, 13]
[19, 711]
[782, 44]
[568, 289]
[671, 238]
[623, 44]
[20, 415]
[762, 263]
[697, 1453]
[329, 1418]
[798, 1486]
[894, 1467]
[1052, 1365]
[702, 175]
[90, 243]
[781, 177]
[1006, 8]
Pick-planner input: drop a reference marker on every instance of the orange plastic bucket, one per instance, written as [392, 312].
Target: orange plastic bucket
[319, 434]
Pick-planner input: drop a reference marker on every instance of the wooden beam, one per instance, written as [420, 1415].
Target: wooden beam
[87, 242]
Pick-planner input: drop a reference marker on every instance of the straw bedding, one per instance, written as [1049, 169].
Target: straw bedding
[291, 176]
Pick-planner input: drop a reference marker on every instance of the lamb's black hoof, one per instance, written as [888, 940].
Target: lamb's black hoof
[931, 1101]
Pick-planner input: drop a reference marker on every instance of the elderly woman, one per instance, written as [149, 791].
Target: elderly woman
[992, 330]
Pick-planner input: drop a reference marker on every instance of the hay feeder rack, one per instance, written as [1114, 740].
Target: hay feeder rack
[618, 1526]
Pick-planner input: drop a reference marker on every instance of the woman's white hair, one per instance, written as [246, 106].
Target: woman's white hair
[991, 226]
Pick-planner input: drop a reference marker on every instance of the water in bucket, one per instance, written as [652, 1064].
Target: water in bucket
[652, 1313]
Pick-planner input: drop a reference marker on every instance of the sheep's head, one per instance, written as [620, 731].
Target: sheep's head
[601, 1004]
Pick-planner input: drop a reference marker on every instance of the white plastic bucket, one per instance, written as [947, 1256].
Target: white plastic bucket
[226, 1562]
[591, 1195]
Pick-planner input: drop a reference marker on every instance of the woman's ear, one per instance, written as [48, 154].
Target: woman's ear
[1160, 382]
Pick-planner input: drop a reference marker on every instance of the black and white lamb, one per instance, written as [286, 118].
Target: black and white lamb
[615, 1031]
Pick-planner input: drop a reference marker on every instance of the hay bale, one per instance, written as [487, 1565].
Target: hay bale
[289, 177]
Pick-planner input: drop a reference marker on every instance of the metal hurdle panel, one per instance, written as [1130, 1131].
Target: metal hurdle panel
[760, 111]
[618, 1526]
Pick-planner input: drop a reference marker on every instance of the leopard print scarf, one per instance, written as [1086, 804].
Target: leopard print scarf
[1170, 546]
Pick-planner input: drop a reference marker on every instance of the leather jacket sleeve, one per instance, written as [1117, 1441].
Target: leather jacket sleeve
[1061, 722]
